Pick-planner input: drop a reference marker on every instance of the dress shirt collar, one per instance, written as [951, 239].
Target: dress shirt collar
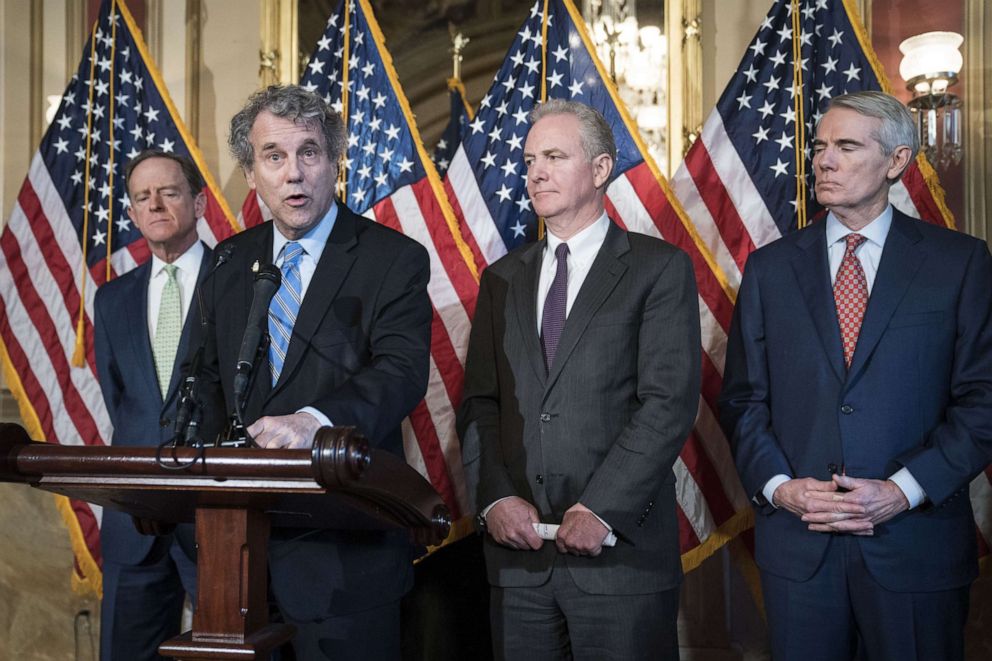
[313, 242]
[875, 231]
[188, 263]
[583, 246]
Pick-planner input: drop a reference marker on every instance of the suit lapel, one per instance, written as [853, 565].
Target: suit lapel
[260, 250]
[812, 270]
[605, 272]
[136, 311]
[332, 269]
[523, 288]
[901, 258]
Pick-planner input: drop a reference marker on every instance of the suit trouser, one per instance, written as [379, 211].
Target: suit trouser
[142, 604]
[842, 613]
[558, 621]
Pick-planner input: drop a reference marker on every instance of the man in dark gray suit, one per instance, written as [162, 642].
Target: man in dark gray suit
[581, 385]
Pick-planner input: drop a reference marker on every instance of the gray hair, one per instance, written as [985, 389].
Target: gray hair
[290, 102]
[594, 131]
[897, 128]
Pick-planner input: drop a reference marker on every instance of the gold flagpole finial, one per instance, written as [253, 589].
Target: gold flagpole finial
[458, 43]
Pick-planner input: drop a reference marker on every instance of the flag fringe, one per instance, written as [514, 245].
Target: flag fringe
[744, 561]
[89, 579]
[730, 529]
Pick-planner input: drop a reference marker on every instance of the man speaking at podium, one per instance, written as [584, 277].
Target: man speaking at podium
[349, 331]
[145, 578]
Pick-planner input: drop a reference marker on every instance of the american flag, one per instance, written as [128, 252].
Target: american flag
[486, 182]
[390, 178]
[69, 233]
[454, 132]
[738, 181]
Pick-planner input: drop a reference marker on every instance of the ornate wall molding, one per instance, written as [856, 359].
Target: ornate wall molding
[36, 94]
[278, 62]
[194, 64]
[977, 125]
[683, 19]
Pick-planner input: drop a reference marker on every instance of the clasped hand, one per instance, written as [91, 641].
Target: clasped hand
[843, 504]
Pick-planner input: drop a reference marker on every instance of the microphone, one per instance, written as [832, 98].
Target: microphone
[267, 282]
[186, 425]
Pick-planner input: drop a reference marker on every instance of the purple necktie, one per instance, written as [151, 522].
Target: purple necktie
[554, 307]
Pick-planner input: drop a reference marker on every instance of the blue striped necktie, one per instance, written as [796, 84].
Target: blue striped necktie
[284, 308]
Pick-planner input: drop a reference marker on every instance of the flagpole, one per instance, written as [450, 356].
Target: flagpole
[110, 103]
[544, 89]
[78, 354]
[342, 165]
[798, 101]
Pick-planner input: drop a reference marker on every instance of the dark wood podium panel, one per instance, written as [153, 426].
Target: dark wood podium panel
[234, 496]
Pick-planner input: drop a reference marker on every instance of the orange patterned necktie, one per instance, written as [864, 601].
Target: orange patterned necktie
[850, 296]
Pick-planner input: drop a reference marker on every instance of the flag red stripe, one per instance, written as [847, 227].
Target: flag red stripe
[920, 194]
[434, 461]
[463, 226]
[29, 382]
[451, 258]
[718, 202]
[62, 273]
[687, 536]
[75, 406]
[697, 461]
[654, 200]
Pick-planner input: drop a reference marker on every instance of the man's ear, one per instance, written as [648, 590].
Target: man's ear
[898, 162]
[249, 177]
[602, 166]
[200, 204]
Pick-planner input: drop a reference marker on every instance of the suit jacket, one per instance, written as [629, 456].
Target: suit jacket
[918, 395]
[126, 370]
[605, 427]
[360, 354]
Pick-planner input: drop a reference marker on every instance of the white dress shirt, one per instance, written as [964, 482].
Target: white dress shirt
[187, 270]
[870, 255]
[582, 250]
[313, 243]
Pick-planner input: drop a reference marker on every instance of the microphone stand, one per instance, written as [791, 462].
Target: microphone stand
[237, 435]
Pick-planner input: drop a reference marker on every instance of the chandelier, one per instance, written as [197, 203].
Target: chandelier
[930, 65]
[636, 56]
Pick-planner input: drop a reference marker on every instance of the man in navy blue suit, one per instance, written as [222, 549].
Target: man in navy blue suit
[140, 329]
[858, 400]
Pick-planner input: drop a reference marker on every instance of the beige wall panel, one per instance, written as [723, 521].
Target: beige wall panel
[230, 47]
[728, 27]
[16, 145]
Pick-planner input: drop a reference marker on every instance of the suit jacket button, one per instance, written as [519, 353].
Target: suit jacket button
[164, 422]
[540, 479]
[545, 417]
[847, 409]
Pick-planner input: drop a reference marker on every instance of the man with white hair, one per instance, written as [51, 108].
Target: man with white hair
[858, 400]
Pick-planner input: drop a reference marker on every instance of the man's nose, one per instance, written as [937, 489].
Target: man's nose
[293, 170]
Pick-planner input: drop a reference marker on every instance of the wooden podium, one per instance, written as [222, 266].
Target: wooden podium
[234, 496]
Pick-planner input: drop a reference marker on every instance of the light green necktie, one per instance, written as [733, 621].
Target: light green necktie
[168, 330]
